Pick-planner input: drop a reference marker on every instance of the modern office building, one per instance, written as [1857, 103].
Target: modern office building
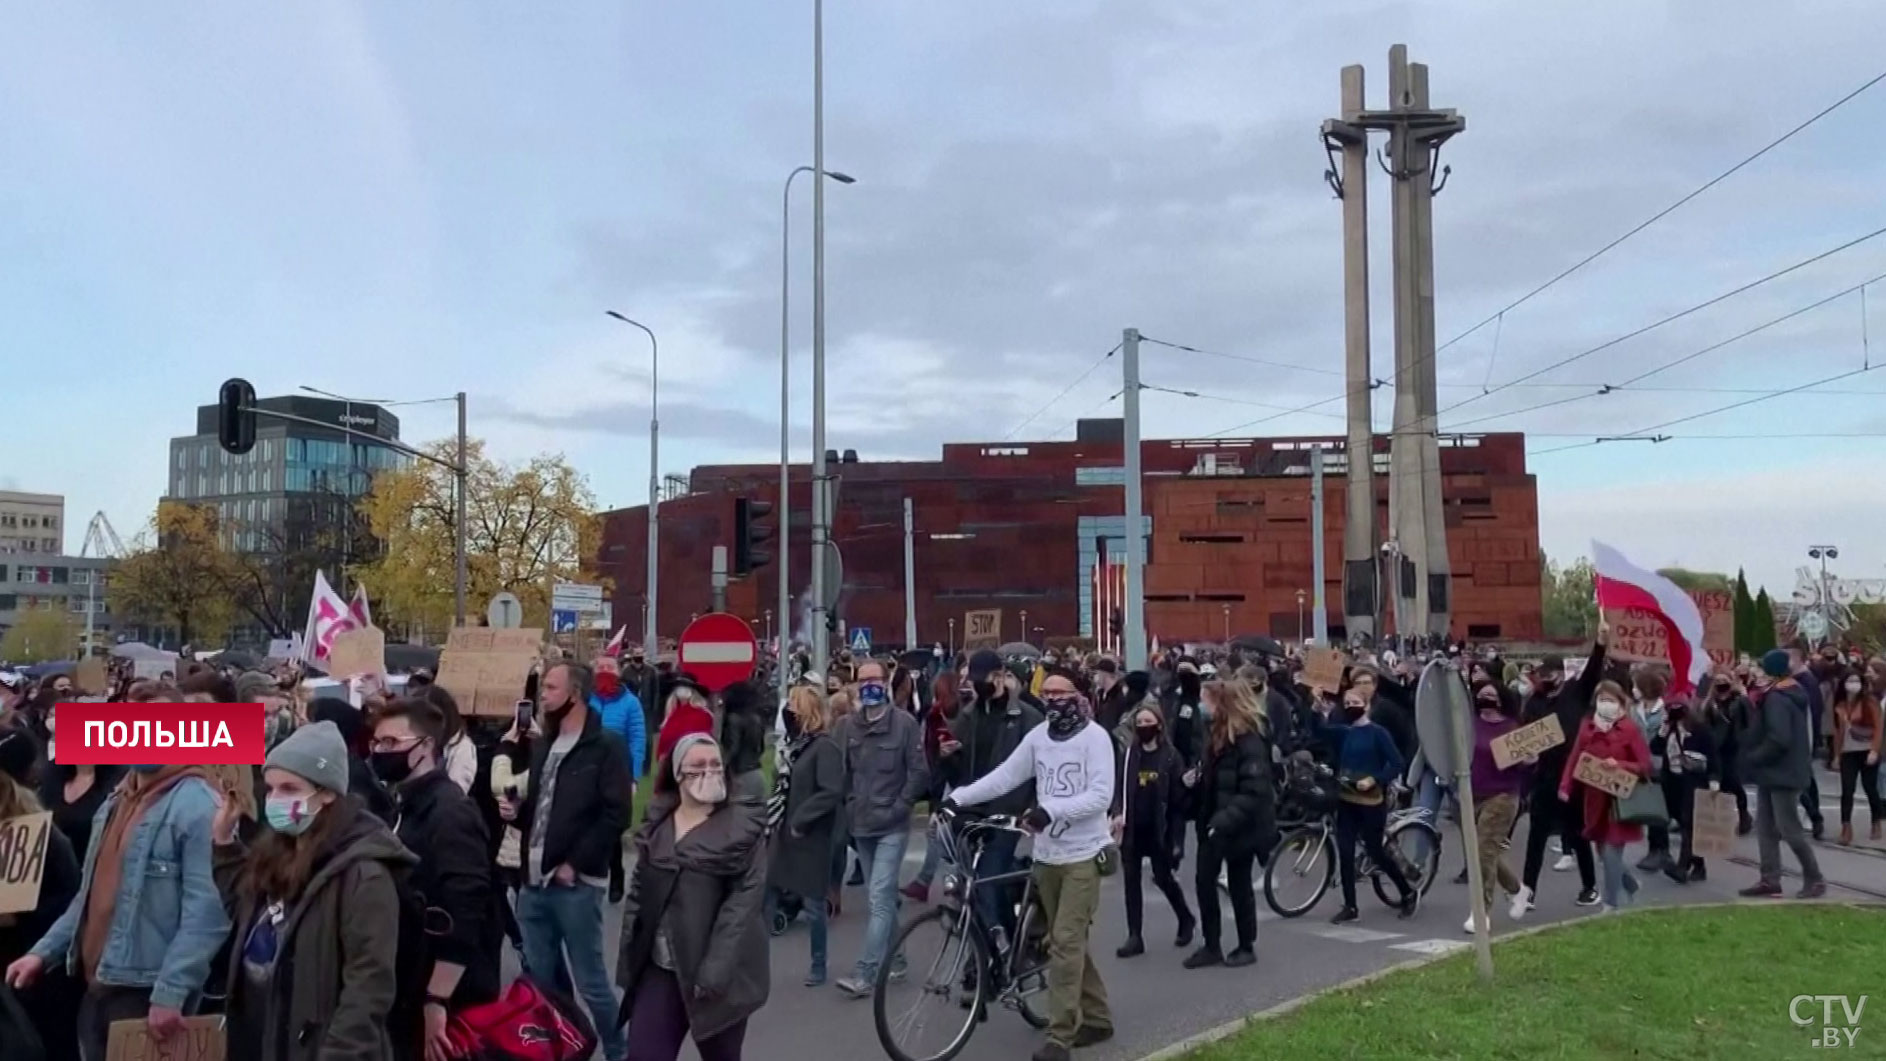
[31, 523]
[1037, 531]
[72, 585]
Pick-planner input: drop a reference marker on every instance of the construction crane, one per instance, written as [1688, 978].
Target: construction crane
[101, 541]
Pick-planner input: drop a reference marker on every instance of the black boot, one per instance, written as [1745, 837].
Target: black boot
[1204, 957]
[1187, 925]
[1132, 948]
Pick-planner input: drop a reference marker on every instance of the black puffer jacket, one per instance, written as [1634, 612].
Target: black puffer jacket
[1234, 802]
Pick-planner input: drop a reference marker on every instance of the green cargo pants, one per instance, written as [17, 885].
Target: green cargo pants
[1076, 998]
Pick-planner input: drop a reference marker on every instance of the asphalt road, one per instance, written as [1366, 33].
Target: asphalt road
[1156, 1003]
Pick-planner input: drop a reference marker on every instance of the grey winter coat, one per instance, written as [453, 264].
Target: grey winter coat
[333, 985]
[707, 891]
[1778, 749]
[887, 770]
[801, 857]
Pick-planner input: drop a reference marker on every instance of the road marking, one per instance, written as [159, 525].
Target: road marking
[1345, 934]
[1431, 946]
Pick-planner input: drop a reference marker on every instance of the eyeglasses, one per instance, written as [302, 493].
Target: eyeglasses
[392, 744]
[705, 771]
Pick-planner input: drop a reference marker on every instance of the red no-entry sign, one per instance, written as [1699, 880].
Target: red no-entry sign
[718, 650]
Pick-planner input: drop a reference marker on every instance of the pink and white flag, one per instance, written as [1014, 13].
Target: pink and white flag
[328, 617]
[361, 608]
[1622, 584]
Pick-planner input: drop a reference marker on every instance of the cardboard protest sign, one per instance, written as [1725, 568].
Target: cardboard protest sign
[1322, 669]
[358, 651]
[1527, 741]
[982, 628]
[200, 1040]
[22, 861]
[1713, 818]
[91, 676]
[485, 669]
[1638, 637]
[1616, 780]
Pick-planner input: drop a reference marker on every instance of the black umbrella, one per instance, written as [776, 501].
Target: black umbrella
[1262, 644]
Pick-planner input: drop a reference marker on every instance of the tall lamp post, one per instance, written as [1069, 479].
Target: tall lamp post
[1824, 553]
[785, 413]
[1300, 596]
[651, 647]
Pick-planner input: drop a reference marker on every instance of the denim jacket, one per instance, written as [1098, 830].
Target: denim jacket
[167, 921]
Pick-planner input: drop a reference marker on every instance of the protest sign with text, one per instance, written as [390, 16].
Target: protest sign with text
[22, 861]
[201, 1039]
[1527, 741]
[982, 628]
[1617, 780]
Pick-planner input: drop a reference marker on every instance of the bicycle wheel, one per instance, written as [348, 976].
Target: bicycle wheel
[1300, 867]
[1028, 966]
[919, 1017]
[1399, 843]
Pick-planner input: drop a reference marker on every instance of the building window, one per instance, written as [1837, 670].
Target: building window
[1100, 476]
[51, 545]
[1483, 631]
[59, 575]
[50, 523]
[9, 602]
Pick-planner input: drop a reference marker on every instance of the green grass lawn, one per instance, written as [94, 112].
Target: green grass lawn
[1669, 984]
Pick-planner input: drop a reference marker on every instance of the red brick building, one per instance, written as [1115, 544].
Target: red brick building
[1020, 527]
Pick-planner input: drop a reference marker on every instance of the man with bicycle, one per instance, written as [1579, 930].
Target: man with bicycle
[1071, 762]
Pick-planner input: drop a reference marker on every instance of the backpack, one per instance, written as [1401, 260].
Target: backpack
[529, 1022]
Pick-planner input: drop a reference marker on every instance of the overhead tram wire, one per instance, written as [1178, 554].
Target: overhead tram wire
[1607, 389]
[1243, 357]
[1666, 211]
[1228, 400]
[1065, 391]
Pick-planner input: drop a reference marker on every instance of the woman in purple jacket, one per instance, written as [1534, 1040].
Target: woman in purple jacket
[1495, 790]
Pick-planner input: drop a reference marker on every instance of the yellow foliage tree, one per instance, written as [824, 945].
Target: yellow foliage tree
[526, 527]
[180, 576]
[40, 635]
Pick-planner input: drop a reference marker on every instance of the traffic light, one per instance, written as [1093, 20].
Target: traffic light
[235, 416]
[750, 535]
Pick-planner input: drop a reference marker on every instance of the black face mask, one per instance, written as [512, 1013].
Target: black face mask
[1353, 713]
[985, 690]
[392, 767]
[1146, 734]
[1064, 716]
[793, 726]
[556, 716]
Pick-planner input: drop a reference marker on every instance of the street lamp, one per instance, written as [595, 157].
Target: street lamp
[650, 645]
[1227, 609]
[1025, 627]
[1824, 553]
[952, 641]
[1300, 596]
[785, 406]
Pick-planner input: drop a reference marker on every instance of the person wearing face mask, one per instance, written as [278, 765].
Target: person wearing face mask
[1230, 797]
[987, 730]
[948, 696]
[1691, 763]
[316, 912]
[73, 792]
[1071, 763]
[1552, 695]
[883, 749]
[1182, 703]
[142, 953]
[1729, 716]
[1496, 791]
[574, 808]
[1609, 736]
[1855, 753]
[440, 824]
[1648, 711]
[693, 955]
[1151, 825]
[803, 817]
[1777, 756]
[1367, 764]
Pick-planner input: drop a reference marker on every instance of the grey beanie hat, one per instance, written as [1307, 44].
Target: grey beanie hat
[254, 685]
[315, 752]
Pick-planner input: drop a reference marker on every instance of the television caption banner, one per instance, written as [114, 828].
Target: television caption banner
[114, 734]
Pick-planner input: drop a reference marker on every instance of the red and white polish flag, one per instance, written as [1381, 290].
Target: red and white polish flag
[614, 647]
[1622, 584]
[329, 616]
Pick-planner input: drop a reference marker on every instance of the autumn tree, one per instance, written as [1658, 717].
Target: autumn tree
[39, 635]
[178, 576]
[273, 575]
[1571, 599]
[527, 526]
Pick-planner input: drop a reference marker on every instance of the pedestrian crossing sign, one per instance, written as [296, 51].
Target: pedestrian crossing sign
[861, 639]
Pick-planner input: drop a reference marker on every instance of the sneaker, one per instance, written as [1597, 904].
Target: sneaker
[1408, 904]
[1092, 1036]
[917, 892]
[1564, 863]
[1557, 845]
[1186, 928]
[1813, 889]
[1698, 872]
[1237, 959]
[1050, 1051]
[1653, 862]
[1588, 897]
[1204, 957]
[815, 978]
[1677, 873]
[1761, 889]
[1522, 903]
[1132, 948]
[1467, 926]
[1820, 828]
[1345, 915]
[853, 988]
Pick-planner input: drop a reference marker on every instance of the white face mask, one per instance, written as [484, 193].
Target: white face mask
[1609, 711]
[1853, 685]
[708, 788]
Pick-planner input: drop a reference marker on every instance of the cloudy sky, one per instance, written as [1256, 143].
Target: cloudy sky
[409, 199]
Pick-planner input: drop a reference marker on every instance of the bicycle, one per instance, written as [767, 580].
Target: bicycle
[1307, 853]
[978, 960]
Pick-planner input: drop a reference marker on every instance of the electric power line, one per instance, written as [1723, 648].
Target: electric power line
[1229, 400]
[1242, 357]
[1065, 391]
[1668, 210]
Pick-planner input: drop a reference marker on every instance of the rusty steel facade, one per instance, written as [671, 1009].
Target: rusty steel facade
[1019, 526]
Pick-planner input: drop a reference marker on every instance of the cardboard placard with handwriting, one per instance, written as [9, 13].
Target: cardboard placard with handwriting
[200, 1040]
[1638, 637]
[91, 676]
[22, 861]
[1527, 741]
[485, 669]
[1322, 669]
[361, 651]
[982, 628]
[1616, 780]
[1713, 816]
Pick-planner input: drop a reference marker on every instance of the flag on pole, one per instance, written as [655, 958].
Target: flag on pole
[328, 617]
[1622, 584]
[360, 608]
[614, 647]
